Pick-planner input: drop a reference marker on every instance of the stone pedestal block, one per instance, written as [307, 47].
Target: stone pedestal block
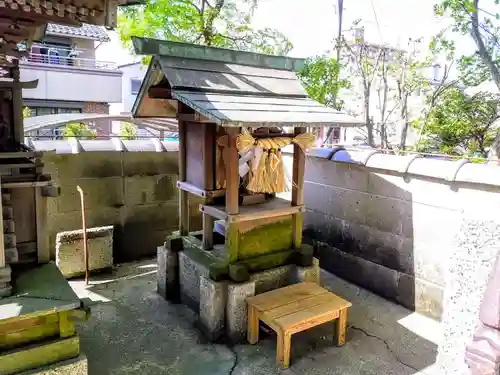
[192, 266]
[308, 274]
[70, 250]
[212, 318]
[168, 274]
[236, 310]
[5, 277]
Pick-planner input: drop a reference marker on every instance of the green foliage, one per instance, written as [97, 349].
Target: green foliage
[128, 130]
[461, 121]
[482, 26]
[78, 130]
[26, 112]
[219, 23]
[321, 78]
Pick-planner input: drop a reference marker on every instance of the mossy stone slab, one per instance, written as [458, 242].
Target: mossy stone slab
[39, 291]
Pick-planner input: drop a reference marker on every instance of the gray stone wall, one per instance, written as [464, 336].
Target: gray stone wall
[390, 223]
[133, 191]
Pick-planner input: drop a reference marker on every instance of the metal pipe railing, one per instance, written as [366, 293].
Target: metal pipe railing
[74, 61]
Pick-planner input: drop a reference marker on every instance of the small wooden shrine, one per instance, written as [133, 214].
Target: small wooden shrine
[238, 115]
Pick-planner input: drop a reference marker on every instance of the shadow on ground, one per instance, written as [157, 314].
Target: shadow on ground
[134, 331]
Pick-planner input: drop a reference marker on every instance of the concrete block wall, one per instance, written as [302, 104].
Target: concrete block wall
[135, 191]
[389, 223]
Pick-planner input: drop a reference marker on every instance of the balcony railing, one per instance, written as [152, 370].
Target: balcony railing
[61, 57]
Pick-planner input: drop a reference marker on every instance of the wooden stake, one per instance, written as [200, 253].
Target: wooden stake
[84, 227]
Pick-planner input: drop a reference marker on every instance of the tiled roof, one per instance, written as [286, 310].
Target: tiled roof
[86, 31]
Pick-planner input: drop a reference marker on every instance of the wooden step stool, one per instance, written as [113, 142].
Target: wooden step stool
[293, 309]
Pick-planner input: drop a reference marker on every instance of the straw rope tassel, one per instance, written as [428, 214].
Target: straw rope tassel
[269, 176]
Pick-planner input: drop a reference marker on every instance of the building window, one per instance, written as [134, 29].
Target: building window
[135, 86]
[43, 111]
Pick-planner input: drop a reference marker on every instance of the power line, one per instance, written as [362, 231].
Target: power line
[377, 23]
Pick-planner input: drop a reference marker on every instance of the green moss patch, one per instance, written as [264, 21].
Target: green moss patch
[265, 239]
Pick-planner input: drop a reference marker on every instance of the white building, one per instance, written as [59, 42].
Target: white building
[70, 78]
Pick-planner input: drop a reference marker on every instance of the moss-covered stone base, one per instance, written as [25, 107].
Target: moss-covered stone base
[270, 236]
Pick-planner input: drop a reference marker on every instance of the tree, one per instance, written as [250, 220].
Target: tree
[321, 78]
[220, 23]
[78, 130]
[481, 25]
[26, 112]
[364, 61]
[461, 121]
[128, 130]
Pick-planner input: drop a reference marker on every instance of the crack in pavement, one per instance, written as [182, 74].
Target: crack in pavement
[235, 364]
[394, 355]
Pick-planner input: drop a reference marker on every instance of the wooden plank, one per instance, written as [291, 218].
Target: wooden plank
[32, 330]
[271, 208]
[42, 232]
[298, 171]
[232, 174]
[282, 296]
[37, 355]
[66, 326]
[309, 318]
[209, 131]
[25, 184]
[160, 92]
[25, 214]
[283, 349]
[341, 327]
[208, 232]
[253, 326]
[195, 164]
[22, 322]
[297, 305]
[200, 192]
[183, 195]
[193, 117]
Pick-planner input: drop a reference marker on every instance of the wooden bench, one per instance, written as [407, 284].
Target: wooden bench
[293, 309]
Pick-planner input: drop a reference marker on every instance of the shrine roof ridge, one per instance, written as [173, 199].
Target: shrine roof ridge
[157, 47]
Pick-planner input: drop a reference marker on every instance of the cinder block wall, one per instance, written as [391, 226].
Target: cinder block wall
[389, 223]
[133, 190]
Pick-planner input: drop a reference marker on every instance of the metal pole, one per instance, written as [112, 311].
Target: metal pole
[84, 227]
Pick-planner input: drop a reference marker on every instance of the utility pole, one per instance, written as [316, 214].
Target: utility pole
[340, 11]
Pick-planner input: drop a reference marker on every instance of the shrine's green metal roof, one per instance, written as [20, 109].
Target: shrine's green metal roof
[233, 88]
[155, 47]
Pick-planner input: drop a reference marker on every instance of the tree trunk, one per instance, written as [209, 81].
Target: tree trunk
[404, 135]
[369, 124]
[406, 124]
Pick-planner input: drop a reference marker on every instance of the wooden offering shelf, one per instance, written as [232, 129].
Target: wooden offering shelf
[271, 208]
[200, 192]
